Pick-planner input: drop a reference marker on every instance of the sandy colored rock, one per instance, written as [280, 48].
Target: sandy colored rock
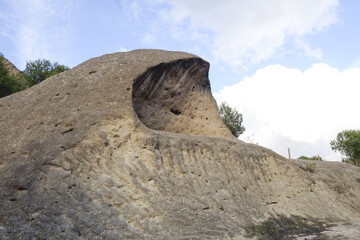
[130, 145]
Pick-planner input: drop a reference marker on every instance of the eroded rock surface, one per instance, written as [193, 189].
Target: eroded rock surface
[176, 97]
[130, 145]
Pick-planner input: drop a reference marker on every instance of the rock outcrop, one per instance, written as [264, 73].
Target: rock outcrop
[130, 145]
[10, 67]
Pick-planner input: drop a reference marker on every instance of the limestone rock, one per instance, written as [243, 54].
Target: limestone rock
[130, 145]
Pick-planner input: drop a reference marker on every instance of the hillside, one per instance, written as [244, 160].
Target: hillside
[131, 145]
[10, 67]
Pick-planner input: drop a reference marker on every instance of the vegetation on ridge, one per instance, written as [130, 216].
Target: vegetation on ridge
[347, 143]
[35, 72]
[9, 83]
[232, 119]
[39, 70]
[311, 158]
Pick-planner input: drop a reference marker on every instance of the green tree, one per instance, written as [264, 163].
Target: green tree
[232, 119]
[347, 143]
[8, 82]
[38, 70]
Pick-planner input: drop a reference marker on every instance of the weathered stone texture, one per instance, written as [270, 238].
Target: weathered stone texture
[131, 146]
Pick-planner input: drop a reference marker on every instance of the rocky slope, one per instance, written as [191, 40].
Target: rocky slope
[10, 67]
[131, 146]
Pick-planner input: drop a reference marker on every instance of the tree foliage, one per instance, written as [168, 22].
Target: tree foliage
[232, 119]
[35, 72]
[9, 83]
[38, 70]
[5, 80]
[347, 143]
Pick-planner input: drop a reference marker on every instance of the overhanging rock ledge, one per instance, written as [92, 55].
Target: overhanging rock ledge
[130, 145]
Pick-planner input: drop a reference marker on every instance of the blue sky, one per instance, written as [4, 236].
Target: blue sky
[291, 67]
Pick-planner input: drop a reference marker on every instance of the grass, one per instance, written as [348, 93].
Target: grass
[311, 158]
[286, 228]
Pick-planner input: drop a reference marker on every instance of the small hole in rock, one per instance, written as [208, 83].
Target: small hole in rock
[175, 111]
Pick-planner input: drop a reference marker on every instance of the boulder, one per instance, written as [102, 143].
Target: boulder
[131, 145]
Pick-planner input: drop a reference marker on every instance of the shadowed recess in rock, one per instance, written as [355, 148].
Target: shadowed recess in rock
[101, 151]
[176, 97]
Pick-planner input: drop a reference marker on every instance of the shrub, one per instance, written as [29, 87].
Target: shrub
[38, 70]
[347, 143]
[232, 119]
[309, 167]
[311, 158]
[286, 227]
[8, 82]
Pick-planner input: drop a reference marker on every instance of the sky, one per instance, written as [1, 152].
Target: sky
[291, 67]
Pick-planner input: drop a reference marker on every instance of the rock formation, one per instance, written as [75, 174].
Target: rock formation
[130, 145]
[10, 67]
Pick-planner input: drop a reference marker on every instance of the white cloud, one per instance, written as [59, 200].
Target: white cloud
[250, 31]
[308, 51]
[149, 39]
[122, 49]
[285, 107]
[35, 25]
[135, 9]
[131, 11]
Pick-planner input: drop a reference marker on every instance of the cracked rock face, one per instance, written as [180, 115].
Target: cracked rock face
[130, 145]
